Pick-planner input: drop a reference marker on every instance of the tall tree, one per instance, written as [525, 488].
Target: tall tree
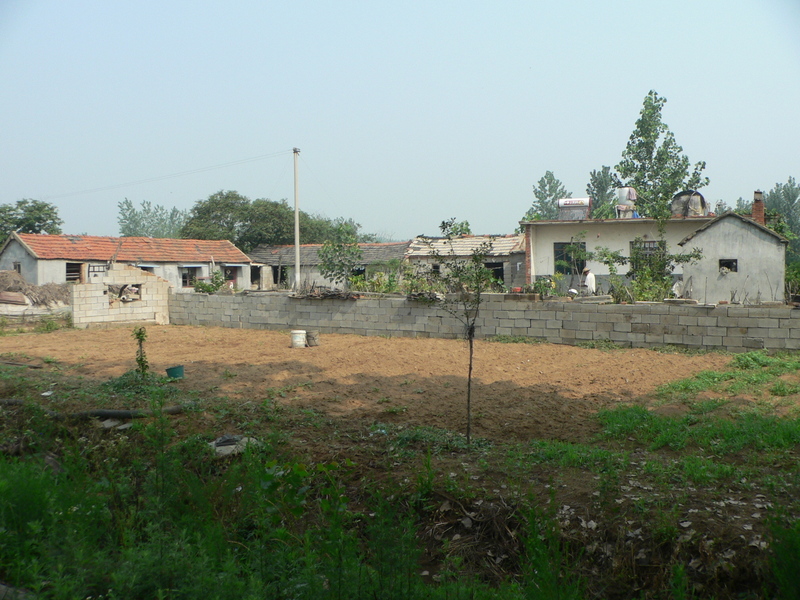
[546, 192]
[653, 162]
[29, 216]
[231, 216]
[151, 220]
[784, 199]
[602, 189]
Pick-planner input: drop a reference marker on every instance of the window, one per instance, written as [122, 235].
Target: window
[568, 257]
[496, 269]
[73, 272]
[279, 275]
[647, 253]
[188, 275]
[230, 273]
[728, 265]
[437, 269]
[18, 267]
[97, 270]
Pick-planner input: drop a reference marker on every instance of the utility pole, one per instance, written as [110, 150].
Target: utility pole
[296, 226]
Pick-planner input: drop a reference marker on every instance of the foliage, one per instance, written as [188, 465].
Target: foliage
[547, 191]
[29, 216]
[338, 259]
[151, 220]
[616, 284]
[652, 268]
[213, 285]
[602, 189]
[653, 163]
[227, 215]
[142, 366]
[784, 200]
[460, 228]
[545, 285]
[575, 254]
[467, 280]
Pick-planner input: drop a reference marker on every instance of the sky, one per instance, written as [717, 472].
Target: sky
[405, 113]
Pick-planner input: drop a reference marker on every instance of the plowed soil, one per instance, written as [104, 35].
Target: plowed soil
[520, 391]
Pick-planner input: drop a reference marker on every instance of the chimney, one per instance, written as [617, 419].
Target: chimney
[757, 213]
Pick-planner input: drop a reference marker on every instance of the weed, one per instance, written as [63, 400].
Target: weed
[515, 339]
[396, 410]
[383, 400]
[228, 374]
[601, 344]
[782, 388]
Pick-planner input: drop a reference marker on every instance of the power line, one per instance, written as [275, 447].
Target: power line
[171, 176]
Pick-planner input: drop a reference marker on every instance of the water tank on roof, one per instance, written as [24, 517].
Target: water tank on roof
[689, 203]
[626, 203]
[574, 209]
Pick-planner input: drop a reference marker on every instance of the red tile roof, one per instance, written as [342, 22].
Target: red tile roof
[131, 249]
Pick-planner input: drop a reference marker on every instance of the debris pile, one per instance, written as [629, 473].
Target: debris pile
[39, 295]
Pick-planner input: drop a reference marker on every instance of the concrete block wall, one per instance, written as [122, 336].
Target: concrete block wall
[734, 328]
[91, 304]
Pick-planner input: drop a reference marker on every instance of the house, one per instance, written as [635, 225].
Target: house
[743, 261]
[279, 262]
[506, 257]
[548, 243]
[44, 259]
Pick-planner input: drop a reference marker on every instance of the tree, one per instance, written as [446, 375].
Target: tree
[460, 228]
[231, 216]
[151, 220]
[29, 216]
[602, 189]
[339, 259]
[784, 199]
[652, 162]
[547, 192]
[467, 280]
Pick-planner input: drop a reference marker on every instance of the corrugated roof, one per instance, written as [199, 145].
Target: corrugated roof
[309, 253]
[502, 245]
[130, 249]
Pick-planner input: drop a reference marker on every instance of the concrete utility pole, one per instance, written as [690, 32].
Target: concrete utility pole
[296, 226]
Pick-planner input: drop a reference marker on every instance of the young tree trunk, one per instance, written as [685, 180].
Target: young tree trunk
[469, 387]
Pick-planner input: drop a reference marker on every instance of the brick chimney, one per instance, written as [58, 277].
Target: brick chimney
[757, 213]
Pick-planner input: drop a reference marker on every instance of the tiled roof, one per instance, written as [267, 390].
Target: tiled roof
[130, 249]
[502, 245]
[309, 253]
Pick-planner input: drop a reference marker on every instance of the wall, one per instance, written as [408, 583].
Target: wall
[93, 306]
[760, 256]
[14, 252]
[614, 234]
[736, 328]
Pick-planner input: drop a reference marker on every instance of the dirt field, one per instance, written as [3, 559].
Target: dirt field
[520, 391]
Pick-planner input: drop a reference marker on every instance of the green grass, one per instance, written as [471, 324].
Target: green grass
[717, 434]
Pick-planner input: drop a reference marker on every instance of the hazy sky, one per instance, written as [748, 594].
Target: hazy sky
[406, 113]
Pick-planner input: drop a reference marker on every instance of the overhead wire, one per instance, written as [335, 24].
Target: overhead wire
[170, 176]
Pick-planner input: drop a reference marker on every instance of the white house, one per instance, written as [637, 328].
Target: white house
[546, 241]
[41, 258]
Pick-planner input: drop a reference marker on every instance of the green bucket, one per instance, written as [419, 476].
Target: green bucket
[175, 372]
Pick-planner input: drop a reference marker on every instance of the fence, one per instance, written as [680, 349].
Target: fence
[732, 327]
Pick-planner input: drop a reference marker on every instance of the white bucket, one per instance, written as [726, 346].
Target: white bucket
[299, 338]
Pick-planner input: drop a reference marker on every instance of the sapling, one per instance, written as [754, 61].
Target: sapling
[467, 280]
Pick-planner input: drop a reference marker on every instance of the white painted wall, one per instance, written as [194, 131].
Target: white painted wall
[614, 234]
